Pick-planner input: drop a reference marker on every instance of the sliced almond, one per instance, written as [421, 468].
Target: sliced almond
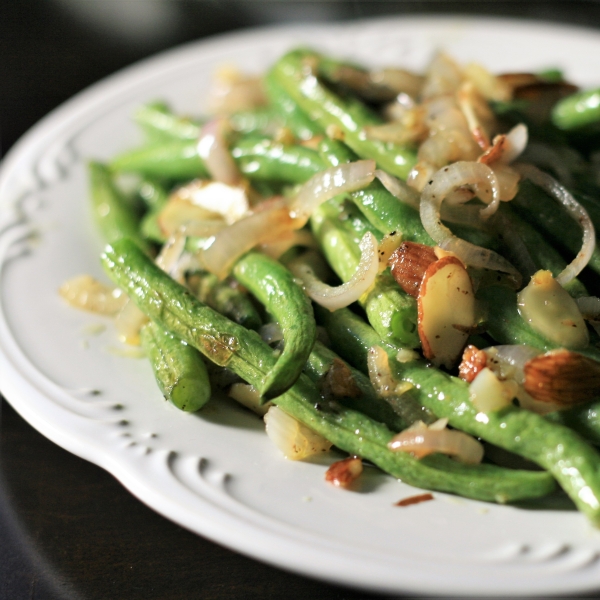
[408, 265]
[446, 311]
[343, 472]
[473, 361]
[562, 377]
[552, 312]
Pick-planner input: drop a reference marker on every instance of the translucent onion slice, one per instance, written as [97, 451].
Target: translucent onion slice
[576, 211]
[421, 440]
[213, 149]
[446, 180]
[380, 374]
[329, 183]
[170, 255]
[232, 242]
[399, 189]
[87, 293]
[129, 323]
[290, 239]
[248, 396]
[231, 202]
[335, 297]
[294, 439]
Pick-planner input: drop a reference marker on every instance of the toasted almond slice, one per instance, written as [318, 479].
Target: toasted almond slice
[473, 361]
[446, 310]
[562, 377]
[343, 472]
[409, 263]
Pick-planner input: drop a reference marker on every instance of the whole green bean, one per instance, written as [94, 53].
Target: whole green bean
[173, 159]
[261, 158]
[293, 117]
[537, 208]
[559, 450]
[179, 369]
[161, 124]
[114, 216]
[155, 196]
[242, 351]
[275, 287]
[391, 311]
[226, 299]
[578, 110]
[349, 116]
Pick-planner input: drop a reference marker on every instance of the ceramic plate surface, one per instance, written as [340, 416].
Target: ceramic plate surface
[216, 473]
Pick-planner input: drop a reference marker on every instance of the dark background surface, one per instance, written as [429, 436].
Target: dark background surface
[68, 530]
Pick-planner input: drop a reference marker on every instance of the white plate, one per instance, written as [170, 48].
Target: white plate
[216, 473]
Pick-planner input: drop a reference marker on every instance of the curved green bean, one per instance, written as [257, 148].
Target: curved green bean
[275, 287]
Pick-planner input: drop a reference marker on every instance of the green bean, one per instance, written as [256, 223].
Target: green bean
[261, 158]
[264, 119]
[541, 252]
[578, 110]
[389, 309]
[242, 351]
[173, 159]
[585, 420]
[574, 464]
[179, 369]
[292, 115]
[506, 326]
[275, 287]
[227, 299]
[385, 212]
[159, 122]
[155, 196]
[537, 208]
[113, 214]
[347, 115]
[397, 412]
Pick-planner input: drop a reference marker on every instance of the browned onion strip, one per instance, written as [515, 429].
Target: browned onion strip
[576, 212]
[445, 181]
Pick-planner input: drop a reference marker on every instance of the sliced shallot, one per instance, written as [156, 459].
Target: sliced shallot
[576, 211]
[88, 293]
[399, 189]
[294, 439]
[421, 440]
[446, 180]
[335, 297]
[237, 239]
[325, 185]
[213, 149]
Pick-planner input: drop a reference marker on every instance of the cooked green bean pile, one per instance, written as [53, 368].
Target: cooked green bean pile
[403, 264]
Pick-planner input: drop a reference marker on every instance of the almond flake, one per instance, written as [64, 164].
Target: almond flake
[408, 265]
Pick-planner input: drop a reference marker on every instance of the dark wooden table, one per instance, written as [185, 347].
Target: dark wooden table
[68, 529]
